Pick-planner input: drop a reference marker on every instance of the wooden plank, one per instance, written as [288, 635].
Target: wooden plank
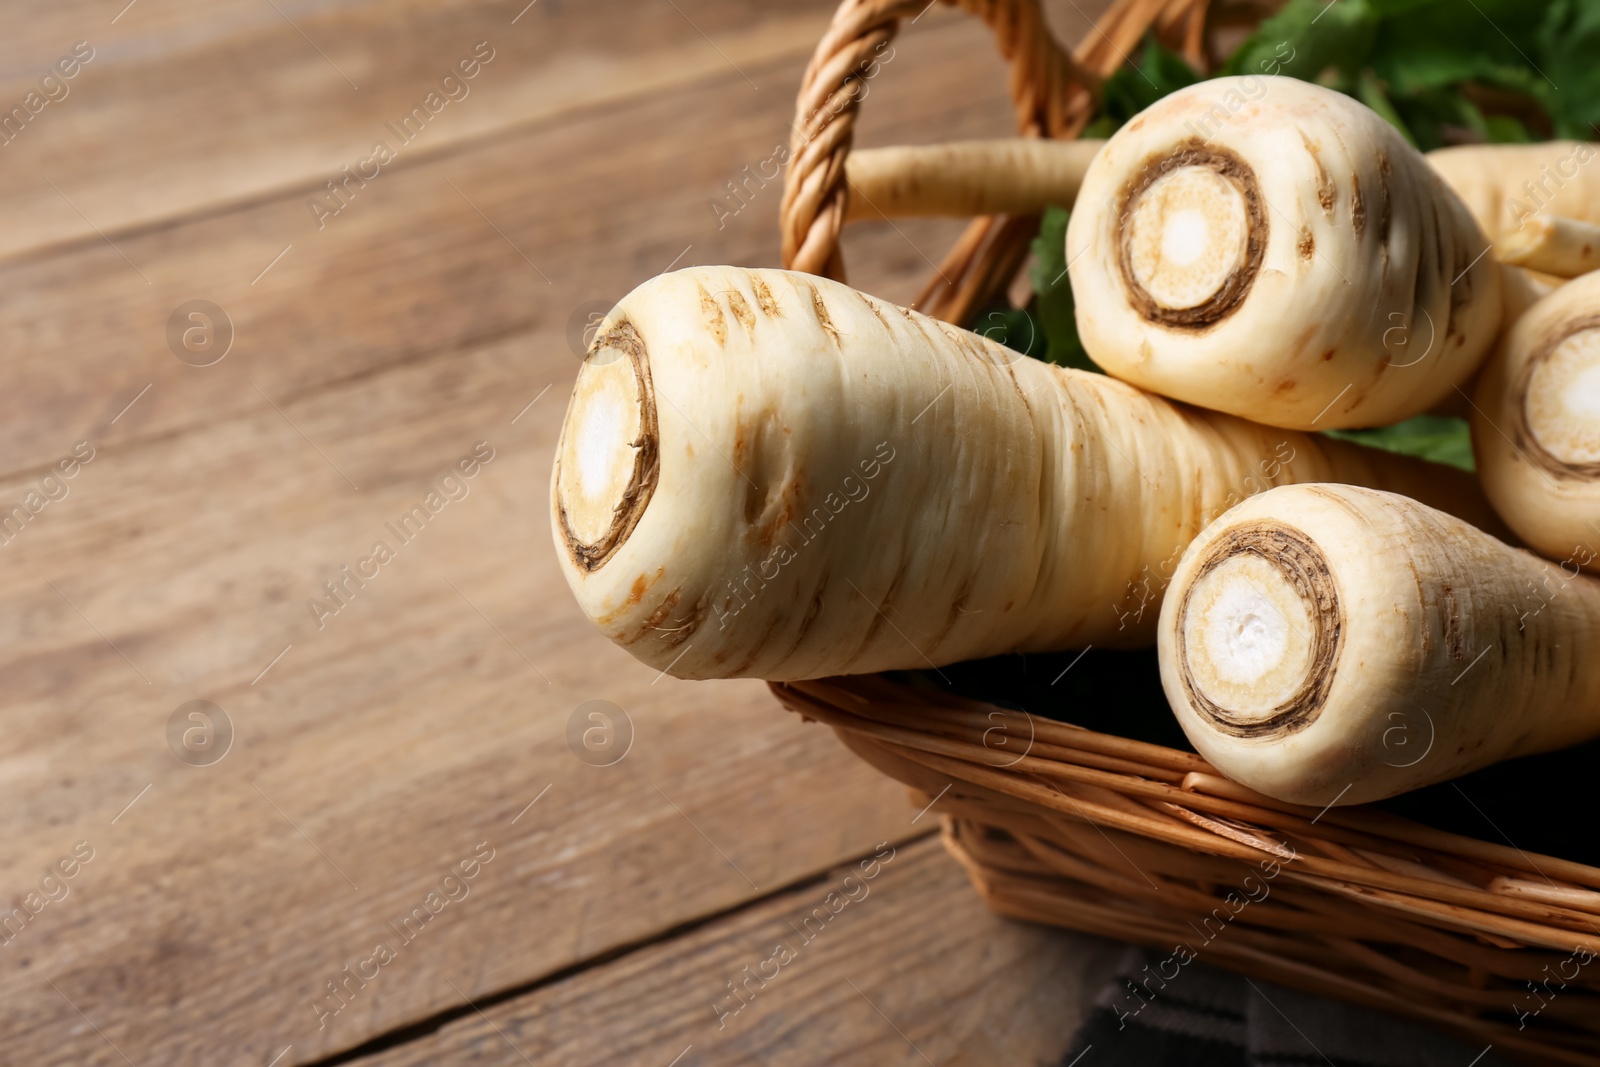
[418, 721]
[186, 109]
[907, 968]
[374, 752]
[412, 266]
[181, 110]
[388, 738]
[446, 253]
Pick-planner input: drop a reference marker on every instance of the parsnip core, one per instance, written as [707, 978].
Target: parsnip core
[1562, 404]
[1247, 636]
[1187, 235]
[608, 457]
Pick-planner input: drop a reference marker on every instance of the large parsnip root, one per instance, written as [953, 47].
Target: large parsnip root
[1536, 427]
[1505, 185]
[1018, 176]
[767, 474]
[1276, 250]
[1333, 644]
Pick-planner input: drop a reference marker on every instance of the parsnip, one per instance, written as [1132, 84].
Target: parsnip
[1333, 644]
[768, 474]
[1018, 176]
[1506, 185]
[1270, 248]
[1552, 245]
[1536, 427]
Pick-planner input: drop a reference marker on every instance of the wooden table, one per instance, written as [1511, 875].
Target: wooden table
[260, 373]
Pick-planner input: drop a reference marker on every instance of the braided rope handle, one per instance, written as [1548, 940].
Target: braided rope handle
[1054, 93]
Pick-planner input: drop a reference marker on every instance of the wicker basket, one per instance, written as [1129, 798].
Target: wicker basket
[1075, 828]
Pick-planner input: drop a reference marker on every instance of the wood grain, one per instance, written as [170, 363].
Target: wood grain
[377, 752]
[377, 747]
[445, 254]
[191, 109]
[908, 969]
[186, 110]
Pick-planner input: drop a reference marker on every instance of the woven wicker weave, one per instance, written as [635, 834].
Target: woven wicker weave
[1063, 825]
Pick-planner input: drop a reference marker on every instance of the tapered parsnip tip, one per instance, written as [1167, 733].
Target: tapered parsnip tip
[608, 463]
[1502, 184]
[1191, 234]
[1518, 246]
[1016, 176]
[1553, 245]
[1256, 630]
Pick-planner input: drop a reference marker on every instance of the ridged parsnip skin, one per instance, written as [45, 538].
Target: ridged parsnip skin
[1536, 425]
[1434, 648]
[836, 485]
[1504, 184]
[1358, 295]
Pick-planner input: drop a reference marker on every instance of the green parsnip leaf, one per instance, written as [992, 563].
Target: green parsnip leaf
[1130, 90]
[1307, 38]
[1568, 49]
[1506, 129]
[1053, 304]
[1443, 440]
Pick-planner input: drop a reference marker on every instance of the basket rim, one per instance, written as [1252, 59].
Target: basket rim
[947, 732]
[1369, 907]
[1029, 878]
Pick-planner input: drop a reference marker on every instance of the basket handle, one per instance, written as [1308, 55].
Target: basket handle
[1044, 80]
[1053, 91]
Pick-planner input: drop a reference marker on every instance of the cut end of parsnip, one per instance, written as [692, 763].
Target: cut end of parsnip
[1536, 424]
[1258, 632]
[1561, 406]
[1265, 246]
[608, 460]
[1191, 235]
[1425, 655]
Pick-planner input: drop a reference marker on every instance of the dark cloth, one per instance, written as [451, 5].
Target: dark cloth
[1210, 1018]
